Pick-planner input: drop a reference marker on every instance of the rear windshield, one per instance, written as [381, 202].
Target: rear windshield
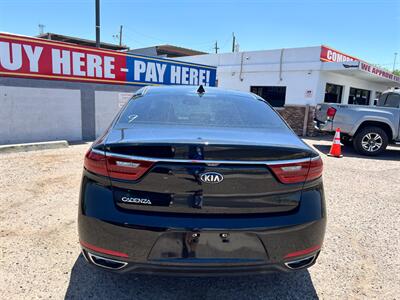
[208, 110]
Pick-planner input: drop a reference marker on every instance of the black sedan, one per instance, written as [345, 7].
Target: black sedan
[200, 181]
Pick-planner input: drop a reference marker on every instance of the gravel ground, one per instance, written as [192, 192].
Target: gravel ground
[40, 257]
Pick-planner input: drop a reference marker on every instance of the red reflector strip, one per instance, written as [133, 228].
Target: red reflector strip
[102, 250]
[303, 252]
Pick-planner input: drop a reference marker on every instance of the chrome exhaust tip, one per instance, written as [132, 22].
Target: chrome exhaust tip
[301, 263]
[85, 256]
[104, 262]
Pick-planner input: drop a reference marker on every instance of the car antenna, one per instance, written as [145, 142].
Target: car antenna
[201, 90]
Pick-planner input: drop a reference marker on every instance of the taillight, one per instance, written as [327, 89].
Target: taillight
[298, 171]
[291, 172]
[330, 113]
[124, 168]
[115, 167]
[95, 163]
[316, 168]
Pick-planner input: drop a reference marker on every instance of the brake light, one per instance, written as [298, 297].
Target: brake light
[330, 113]
[115, 167]
[298, 172]
[292, 172]
[95, 163]
[316, 168]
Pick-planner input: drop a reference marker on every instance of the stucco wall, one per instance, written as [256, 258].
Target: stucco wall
[301, 70]
[347, 82]
[31, 114]
[107, 105]
[34, 110]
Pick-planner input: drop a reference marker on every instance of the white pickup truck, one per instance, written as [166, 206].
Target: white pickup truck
[368, 128]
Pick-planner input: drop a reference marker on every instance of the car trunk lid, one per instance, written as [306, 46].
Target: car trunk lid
[197, 172]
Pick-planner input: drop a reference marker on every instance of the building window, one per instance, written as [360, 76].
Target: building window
[274, 95]
[333, 93]
[359, 96]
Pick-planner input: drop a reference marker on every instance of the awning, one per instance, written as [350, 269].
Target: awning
[362, 70]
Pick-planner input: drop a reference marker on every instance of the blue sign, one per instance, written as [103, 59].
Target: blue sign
[148, 70]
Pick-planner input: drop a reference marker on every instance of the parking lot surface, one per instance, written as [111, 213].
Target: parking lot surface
[40, 254]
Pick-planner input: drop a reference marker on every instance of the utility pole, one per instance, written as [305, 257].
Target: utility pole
[98, 23]
[120, 35]
[233, 42]
[41, 28]
[216, 47]
[394, 61]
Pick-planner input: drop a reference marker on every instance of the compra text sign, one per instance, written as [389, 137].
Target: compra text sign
[331, 55]
[22, 56]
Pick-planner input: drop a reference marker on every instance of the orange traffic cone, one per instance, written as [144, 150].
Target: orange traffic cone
[336, 149]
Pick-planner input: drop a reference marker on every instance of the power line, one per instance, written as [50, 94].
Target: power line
[226, 42]
[135, 42]
[145, 35]
[154, 38]
[118, 36]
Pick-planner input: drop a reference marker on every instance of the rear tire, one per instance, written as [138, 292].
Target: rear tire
[370, 141]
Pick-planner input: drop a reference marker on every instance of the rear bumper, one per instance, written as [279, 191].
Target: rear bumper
[323, 126]
[140, 242]
[160, 244]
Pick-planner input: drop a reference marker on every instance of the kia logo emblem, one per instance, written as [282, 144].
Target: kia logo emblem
[211, 177]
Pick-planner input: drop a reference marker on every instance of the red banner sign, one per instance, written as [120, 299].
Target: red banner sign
[331, 55]
[22, 56]
[378, 72]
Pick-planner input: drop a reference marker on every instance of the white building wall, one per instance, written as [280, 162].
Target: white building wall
[299, 69]
[296, 68]
[296, 82]
[107, 105]
[292, 55]
[347, 82]
[23, 119]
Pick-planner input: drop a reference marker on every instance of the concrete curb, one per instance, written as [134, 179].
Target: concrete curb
[33, 146]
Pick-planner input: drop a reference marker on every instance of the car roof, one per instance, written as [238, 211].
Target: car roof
[392, 90]
[185, 89]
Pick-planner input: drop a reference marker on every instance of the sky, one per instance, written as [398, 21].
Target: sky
[368, 29]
